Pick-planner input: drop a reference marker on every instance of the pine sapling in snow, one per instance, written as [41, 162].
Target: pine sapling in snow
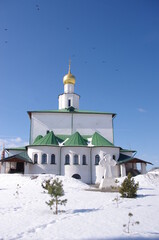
[129, 188]
[16, 194]
[117, 200]
[54, 188]
[130, 223]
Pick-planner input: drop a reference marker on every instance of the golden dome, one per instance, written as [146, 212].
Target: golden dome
[69, 78]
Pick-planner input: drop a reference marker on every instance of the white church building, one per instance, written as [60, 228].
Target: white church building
[71, 142]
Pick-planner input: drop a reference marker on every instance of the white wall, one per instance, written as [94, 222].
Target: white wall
[60, 123]
[87, 124]
[68, 123]
[68, 88]
[90, 173]
[44, 168]
[83, 170]
[63, 100]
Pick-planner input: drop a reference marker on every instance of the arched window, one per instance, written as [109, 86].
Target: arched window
[53, 159]
[44, 159]
[97, 159]
[75, 162]
[67, 159]
[76, 176]
[84, 160]
[35, 158]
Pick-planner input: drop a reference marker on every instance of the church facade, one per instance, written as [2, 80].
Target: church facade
[71, 142]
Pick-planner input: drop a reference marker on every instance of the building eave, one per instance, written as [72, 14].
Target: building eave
[20, 157]
[66, 111]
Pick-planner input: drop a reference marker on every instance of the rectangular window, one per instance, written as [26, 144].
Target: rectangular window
[69, 102]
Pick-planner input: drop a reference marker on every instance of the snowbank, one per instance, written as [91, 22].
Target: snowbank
[88, 214]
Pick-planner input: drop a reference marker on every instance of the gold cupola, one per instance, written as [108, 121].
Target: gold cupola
[69, 78]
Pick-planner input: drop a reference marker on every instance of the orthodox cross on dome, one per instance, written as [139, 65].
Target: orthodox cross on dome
[69, 70]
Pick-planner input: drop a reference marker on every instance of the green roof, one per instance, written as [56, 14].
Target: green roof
[37, 138]
[76, 140]
[48, 139]
[70, 110]
[98, 140]
[126, 150]
[17, 149]
[62, 138]
[22, 157]
[125, 159]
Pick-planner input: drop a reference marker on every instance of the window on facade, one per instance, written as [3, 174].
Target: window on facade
[53, 159]
[69, 102]
[44, 159]
[35, 158]
[113, 157]
[75, 162]
[67, 159]
[97, 158]
[84, 160]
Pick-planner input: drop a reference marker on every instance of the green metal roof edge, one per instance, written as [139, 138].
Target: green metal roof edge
[68, 111]
[65, 136]
[16, 148]
[105, 146]
[22, 156]
[43, 145]
[126, 159]
[99, 140]
[126, 150]
[37, 138]
[48, 139]
[60, 137]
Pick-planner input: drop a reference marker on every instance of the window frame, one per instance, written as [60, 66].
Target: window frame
[76, 159]
[67, 159]
[97, 159]
[53, 159]
[69, 102]
[35, 161]
[84, 159]
[44, 160]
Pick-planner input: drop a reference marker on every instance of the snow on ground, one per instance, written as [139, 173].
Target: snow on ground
[88, 214]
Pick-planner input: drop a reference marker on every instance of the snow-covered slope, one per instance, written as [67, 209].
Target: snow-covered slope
[88, 214]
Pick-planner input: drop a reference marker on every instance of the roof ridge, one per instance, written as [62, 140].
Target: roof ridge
[48, 139]
[76, 140]
[99, 140]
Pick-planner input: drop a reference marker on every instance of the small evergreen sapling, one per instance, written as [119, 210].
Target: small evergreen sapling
[117, 200]
[16, 194]
[54, 188]
[129, 188]
[130, 223]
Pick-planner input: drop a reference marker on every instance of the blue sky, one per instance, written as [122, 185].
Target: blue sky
[114, 51]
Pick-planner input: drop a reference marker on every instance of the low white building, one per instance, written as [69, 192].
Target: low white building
[70, 142]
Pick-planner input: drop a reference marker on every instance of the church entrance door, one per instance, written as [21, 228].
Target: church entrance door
[20, 167]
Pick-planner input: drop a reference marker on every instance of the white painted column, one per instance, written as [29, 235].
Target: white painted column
[143, 168]
[123, 170]
[3, 167]
[134, 166]
[26, 168]
[71, 158]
